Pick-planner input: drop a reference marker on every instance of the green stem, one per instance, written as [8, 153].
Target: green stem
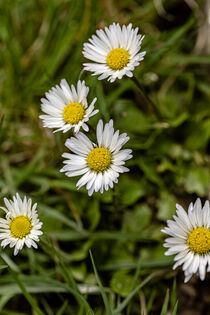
[150, 103]
[67, 275]
[28, 297]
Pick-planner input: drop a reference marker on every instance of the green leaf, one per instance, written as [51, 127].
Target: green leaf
[104, 296]
[30, 168]
[173, 294]
[166, 205]
[134, 120]
[150, 169]
[62, 308]
[130, 190]
[165, 304]
[121, 283]
[102, 102]
[137, 219]
[197, 181]
[125, 302]
[178, 120]
[50, 212]
[149, 264]
[93, 214]
[174, 312]
[82, 252]
[170, 42]
[199, 135]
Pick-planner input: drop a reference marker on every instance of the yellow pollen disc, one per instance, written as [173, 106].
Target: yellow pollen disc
[73, 113]
[199, 240]
[117, 58]
[20, 226]
[99, 159]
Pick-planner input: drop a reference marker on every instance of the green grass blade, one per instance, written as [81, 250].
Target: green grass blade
[62, 308]
[173, 294]
[72, 286]
[135, 279]
[165, 304]
[175, 309]
[122, 305]
[104, 296]
[27, 295]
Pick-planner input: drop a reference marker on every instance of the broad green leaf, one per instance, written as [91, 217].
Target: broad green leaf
[121, 283]
[197, 181]
[136, 220]
[93, 214]
[133, 120]
[130, 190]
[166, 205]
[150, 170]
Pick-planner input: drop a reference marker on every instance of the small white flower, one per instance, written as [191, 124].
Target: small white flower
[190, 239]
[67, 107]
[115, 52]
[21, 225]
[99, 164]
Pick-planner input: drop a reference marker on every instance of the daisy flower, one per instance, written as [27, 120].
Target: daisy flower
[21, 225]
[99, 164]
[190, 239]
[67, 107]
[115, 52]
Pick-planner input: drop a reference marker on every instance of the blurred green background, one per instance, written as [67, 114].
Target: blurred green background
[41, 43]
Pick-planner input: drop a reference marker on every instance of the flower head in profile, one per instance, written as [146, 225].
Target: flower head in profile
[21, 225]
[115, 52]
[99, 164]
[190, 239]
[66, 107]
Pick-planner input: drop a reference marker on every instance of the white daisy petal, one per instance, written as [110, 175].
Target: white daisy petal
[99, 132]
[21, 223]
[190, 239]
[115, 52]
[99, 165]
[187, 276]
[67, 108]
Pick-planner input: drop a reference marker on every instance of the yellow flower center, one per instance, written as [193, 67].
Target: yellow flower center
[20, 226]
[99, 159]
[73, 113]
[199, 240]
[117, 58]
